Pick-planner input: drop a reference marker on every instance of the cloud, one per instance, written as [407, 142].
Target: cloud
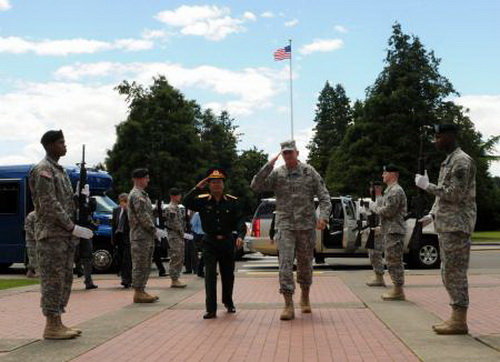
[18, 45]
[249, 16]
[291, 23]
[250, 88]
[209, 21]
[340, 29]
[87, 114]
[267, 14]
[322, 45]
[5, 5]
[154, 34]
[484, 111]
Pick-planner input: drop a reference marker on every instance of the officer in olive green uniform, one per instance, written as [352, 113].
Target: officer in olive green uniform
[221, 217]
[142, 235]
[56, 234]
[454, 215]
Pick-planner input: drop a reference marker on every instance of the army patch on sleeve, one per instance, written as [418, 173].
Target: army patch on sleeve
[46, 174]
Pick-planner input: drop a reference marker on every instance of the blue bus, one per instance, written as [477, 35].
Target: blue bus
[16, 203]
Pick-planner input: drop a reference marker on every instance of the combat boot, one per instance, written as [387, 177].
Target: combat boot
[396, 293]
[457, 324]
[305, 304]
[54, 330]
[177, 283]
[378, 281]
[288, 312]
[140, 296]
[61, 324]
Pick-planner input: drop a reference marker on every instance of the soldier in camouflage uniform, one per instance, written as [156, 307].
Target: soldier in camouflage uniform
[29, 228]
[295, 185]
[176, 223]
[454, 215]
[142, 235]
[56, 234]
[392, 209]
[376, 251]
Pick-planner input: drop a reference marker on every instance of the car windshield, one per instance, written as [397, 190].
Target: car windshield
[104, 204]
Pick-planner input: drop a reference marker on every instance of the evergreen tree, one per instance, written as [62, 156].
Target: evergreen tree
[333, 116]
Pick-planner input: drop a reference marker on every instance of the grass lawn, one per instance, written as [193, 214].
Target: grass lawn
[14, 283]
[486, 237]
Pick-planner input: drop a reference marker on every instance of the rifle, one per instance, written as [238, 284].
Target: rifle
[418, 201]
[373, 219]
[163, 243]
[86, 205]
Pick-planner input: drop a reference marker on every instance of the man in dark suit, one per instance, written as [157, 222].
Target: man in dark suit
[121, 239]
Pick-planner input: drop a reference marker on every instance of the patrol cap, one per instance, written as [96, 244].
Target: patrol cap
[51, 137]
[445, 128]
[288, 146]
[391, 168]
[174, 191]
[216, 173]
[140, 173]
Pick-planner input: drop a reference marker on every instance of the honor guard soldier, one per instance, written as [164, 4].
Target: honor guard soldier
[221, 217]
[454, 216]
[56, 234]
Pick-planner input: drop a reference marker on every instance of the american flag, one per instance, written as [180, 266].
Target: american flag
[283, 53]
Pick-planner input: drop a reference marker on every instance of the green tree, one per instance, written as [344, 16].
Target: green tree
[333, 116]
[160, 133]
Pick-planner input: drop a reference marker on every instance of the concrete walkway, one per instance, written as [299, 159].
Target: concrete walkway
[349, 323]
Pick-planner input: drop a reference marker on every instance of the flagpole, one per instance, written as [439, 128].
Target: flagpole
[291, 88]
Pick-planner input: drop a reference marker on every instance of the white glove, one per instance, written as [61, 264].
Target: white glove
[422, 181]
[86, 190]
[426, 220]
[372, 205]
[82, 233]
[160, 234]
[188, 236]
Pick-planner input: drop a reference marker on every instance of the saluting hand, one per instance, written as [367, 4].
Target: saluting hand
[201, 185]
[273, 161]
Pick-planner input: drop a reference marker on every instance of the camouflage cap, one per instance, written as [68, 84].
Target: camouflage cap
[288, 146]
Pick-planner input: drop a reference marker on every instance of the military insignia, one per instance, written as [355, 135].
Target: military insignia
[45, 174]
[232, 197]
[203, 196]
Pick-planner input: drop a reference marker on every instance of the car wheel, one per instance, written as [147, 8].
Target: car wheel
[102, 260]
[426, 256]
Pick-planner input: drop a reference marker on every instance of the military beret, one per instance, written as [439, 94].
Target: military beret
[216, 173]
[174, 191]
[51, 137]
[288, 146]
[445, 128]
[140, 173]
[391, 168]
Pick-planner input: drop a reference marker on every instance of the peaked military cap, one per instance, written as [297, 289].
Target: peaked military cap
[51, 137]
[288, 146]
[216, 173]
[445, 128]
[140, 173]
[391, 168]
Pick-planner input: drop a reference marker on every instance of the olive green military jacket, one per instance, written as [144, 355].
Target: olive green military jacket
[455, 206]
[53, 198]
[295, 190]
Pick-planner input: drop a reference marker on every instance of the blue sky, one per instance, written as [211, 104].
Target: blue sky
[61, 59]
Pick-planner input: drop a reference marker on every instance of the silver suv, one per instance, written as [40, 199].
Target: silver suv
[345, 236]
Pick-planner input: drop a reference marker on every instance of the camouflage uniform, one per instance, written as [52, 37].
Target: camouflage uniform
[392, 209]
[176, 224]
[142, 234]
[454, 212]
[376, 254]
[295, 217]
[29, 228]
[55, 210]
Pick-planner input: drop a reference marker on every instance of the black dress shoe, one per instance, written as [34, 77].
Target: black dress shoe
[91, 286]
[126, 285]
[209, 315]
[162, 274]
[201, 275]
[188, 272]
[231, 309]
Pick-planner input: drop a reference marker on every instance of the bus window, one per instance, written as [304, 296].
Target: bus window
[9, 198]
